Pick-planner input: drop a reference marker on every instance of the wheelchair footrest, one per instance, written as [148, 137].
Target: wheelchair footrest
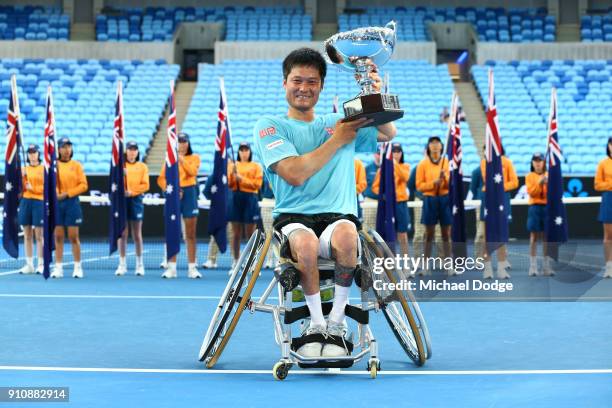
[302, 312]
[298, 342]
[328, 364]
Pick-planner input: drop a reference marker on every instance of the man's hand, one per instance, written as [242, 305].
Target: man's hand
[543, 180]
[28, 186]
[345, 132]
[62, 196]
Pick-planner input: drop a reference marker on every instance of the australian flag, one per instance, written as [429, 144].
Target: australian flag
[50, 183]
[217, 223]
[172, 210]
[12, 176]
[118, 211]
[456, 194]
[556, 221]
[496, 215]
[385, 213]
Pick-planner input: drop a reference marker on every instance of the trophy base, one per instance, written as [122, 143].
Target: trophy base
[382, 108]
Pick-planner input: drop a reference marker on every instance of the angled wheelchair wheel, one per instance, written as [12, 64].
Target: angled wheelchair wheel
[235, 298]
[400, 308]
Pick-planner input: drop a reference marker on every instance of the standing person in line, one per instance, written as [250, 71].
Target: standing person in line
[510, 183]
[401, 173]
[31, 210]
[245, 179]
[189, 165]
[362, 184]
[603, 183]
[537, 187]
[432, 180]
[136, 184]
[71, 182]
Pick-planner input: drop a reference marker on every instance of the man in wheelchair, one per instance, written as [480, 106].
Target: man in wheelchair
[308, 159]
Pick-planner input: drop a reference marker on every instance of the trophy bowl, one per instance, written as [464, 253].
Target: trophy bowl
[357, 51]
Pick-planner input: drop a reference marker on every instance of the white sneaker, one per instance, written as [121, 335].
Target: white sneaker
[209, 264]
[332, 350]
[139, 270]
[193, 273]
[27, 269]
[501, 272]
[234, 262]
[312, 349]
[121, 270]
[488, 271]
[58, 272]
[548, 270]
[269, 263]
[77, 272]
[533, 270]
[163, 264]
[608, 273]
[40, 269]
[169, 274]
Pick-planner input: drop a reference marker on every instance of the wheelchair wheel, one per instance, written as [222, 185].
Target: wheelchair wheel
[398, 307]
[234, 299]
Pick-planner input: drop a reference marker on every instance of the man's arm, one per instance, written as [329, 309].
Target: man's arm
[386, 132]
[297, 169]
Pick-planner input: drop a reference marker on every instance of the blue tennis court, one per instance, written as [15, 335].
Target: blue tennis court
[121, 341]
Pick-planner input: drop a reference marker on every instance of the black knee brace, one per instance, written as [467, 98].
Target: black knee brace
[344, 275]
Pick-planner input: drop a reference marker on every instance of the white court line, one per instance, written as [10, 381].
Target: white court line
[304, 372]
[176, 297]
[16, 271]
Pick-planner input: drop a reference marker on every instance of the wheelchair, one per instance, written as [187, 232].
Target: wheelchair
[399, 308]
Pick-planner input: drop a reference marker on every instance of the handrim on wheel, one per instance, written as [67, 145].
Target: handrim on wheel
[395, 307]
[220, 330]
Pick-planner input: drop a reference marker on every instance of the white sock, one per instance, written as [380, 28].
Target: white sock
[138, 260]
[172, 266]
[30, 261]
[77, 264]
[533, 261]
[316, 311]
[59, 266]
[41, 262]
[341, 294]
[192, 265]
[122, 261]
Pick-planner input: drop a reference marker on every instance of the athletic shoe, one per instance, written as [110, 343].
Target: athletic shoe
[77, 272]
[548, 270]
[169, 274]
[533, 270]
[193, 273]
[501, 271]
[27, 269]
[40, 269]
[58, 272]
[139, 270]
[608, 273]
[234, 262]
[488, 271]
[163, 264]
[312, 349]
[339, 330]
[209, 264]
[121, 270]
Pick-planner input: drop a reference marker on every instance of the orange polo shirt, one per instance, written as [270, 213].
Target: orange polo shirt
[188, 172]
[136, 178]
[360, 176]
[250, 173]
[510, 178]
[71, 178]
[603, 175]
[428, 171]
[536, 191]
[34, 176]
[401, 174]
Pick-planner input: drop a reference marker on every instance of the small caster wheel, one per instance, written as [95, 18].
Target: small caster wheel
[280, 370]
[373, 371]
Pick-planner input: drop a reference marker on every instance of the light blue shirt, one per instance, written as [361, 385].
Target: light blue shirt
[332, 188]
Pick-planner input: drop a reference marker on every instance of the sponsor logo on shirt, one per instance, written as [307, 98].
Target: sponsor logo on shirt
[267, 132]
[330, 131]
[274, 144]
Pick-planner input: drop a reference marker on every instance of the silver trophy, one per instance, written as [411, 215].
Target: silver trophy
[355, 51]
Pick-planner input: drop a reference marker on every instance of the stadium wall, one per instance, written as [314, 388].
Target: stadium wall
[198, 3]
[447, 3]
[530, 51]
[258, 50]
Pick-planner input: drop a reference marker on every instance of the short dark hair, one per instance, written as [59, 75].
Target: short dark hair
[305, 57]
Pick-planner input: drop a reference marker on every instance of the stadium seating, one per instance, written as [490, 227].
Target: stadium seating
[522, 91]
[242, 23]
[33, 23]
[264, 96]
[491, 24]
[84, 94]
[596, 28]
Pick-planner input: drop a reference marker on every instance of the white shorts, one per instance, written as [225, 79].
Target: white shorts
[325, 250]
